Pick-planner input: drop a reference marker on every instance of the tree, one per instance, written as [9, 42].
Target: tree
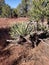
[44, 9]
[26, 6]
[34, 12]
[14, 13]
[2, 3]
[23, 8]
[6, 11]
[39, 9]
[19, 10]
[47, 12]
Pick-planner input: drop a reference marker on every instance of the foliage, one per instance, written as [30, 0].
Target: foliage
[19, 12]
[14, 13]
[2, 3]
[22, 29]
[36, 9]
[6, 11]
[39, 10]
[23, 8]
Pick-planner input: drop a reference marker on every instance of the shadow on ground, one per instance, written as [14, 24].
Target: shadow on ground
[4, 34]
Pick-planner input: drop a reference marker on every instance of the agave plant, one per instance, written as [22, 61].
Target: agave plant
[21, 29]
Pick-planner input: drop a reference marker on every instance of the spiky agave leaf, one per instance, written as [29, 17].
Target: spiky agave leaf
[23, 29]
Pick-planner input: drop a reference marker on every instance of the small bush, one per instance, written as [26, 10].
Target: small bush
[22, 29]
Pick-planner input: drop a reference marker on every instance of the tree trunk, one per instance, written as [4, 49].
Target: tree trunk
[37, 25]
[42, 20]
[48, 22]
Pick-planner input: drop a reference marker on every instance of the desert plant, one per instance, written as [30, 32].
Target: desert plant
[21, 29]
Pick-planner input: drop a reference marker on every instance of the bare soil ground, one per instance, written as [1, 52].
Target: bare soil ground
[12, 54]
[25, 55]
[7, 22]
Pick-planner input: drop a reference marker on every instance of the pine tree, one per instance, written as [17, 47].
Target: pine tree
[39, 10]
[23, 8]
[2, 2]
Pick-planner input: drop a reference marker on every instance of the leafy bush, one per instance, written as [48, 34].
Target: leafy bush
[23, 29]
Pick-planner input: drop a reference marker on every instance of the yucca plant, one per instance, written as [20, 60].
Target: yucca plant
[21, 29]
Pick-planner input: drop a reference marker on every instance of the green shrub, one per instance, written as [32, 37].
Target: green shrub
[22, 29]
